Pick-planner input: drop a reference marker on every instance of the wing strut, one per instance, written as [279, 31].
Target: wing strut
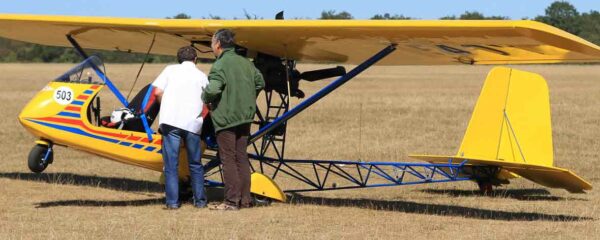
[322, 93]
[109, 83]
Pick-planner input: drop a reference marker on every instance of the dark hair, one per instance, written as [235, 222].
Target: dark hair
[226, 37]
[187, 53]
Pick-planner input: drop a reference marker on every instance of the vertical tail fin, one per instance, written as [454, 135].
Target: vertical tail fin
[511, 120]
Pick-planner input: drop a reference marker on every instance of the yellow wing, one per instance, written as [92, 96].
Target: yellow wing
[342, 41]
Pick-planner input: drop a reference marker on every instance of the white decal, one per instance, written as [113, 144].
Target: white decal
[63, 95]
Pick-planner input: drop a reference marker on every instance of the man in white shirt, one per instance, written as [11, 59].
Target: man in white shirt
[179, 88]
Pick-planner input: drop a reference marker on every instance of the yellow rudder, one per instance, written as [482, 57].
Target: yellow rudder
[511, 120]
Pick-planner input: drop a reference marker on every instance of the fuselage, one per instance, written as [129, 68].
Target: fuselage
[60, 114]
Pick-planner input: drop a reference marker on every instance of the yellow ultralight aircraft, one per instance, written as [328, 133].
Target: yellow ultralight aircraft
[509, 134]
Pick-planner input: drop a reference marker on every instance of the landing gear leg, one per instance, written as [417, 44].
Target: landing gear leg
[40, 156]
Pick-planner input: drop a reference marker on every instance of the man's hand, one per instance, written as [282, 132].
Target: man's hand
[158, 93]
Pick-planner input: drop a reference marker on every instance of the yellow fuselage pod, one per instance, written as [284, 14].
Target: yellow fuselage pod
[59, 113]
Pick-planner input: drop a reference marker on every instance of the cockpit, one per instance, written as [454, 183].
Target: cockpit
[129, 117]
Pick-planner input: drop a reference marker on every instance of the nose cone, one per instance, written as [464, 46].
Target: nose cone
[41, 105]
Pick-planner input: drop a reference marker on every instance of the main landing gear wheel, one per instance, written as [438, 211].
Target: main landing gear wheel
[39, 158]
[261, 201]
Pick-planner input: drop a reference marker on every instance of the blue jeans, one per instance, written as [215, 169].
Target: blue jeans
[171, 142]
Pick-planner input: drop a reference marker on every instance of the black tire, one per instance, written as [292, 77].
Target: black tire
[485, 187]
[261, 201]
[34, 161]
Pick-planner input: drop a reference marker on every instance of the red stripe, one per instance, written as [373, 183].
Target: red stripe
[82, 97]
[134, 138]
[150, 100]
[80, 123]
[95, 87]
[72, 108]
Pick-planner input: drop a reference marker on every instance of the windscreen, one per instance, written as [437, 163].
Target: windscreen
[85, 72]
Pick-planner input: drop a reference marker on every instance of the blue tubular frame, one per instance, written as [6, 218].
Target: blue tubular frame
[143, 115]
[322, 93]
[352, 174]
[322, 175]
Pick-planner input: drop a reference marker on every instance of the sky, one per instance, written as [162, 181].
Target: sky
[229, 9]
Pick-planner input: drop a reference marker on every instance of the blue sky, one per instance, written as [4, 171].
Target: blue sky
[424, 9]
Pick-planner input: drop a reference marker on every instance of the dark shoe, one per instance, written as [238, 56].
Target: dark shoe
[172, 206]
[250, 205]
[200, 205]
[224, 207]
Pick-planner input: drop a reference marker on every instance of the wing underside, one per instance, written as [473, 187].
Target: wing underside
[419, 42]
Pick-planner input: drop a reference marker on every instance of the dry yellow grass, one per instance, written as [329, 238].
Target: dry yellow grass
[404, 110]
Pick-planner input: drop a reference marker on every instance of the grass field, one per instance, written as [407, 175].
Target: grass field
[385, 114]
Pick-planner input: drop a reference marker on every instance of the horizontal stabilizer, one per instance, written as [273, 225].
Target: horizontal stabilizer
[552, 177]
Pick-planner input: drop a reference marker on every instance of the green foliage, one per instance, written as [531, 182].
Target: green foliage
[180, 16]
[249, 16]
[331, 14]
[590, 26]
[562, 15]
[473, 16]
[388, 16]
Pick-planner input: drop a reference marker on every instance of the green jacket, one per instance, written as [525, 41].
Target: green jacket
[233, 85]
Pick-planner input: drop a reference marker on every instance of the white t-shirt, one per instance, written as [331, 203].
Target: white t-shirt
[181, 103]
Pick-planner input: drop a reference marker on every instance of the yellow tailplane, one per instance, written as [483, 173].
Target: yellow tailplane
[511, 128]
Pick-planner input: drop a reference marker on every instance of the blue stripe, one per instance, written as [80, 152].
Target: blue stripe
[75, 130]
[77, 103]
[126, 144]
[138, 146]
[88, 92]
[144, 120]
[68, 114]
[150, 149]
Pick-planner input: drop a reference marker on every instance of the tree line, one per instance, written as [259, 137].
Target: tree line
[560, 14]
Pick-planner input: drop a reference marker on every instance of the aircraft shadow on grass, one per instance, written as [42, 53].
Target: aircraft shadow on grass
[119, 184]
[528, 194]
[101, 203]
[434, 209]
[131, 185]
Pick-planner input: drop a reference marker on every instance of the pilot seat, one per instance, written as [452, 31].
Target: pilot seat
[130, 118]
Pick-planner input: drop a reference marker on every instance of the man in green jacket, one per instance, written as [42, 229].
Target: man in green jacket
[234, 83]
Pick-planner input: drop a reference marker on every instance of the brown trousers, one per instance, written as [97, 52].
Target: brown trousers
[236, 167]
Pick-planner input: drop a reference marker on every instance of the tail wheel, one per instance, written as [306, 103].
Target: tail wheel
[39, 158]
[486, 187]
[261, 201]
